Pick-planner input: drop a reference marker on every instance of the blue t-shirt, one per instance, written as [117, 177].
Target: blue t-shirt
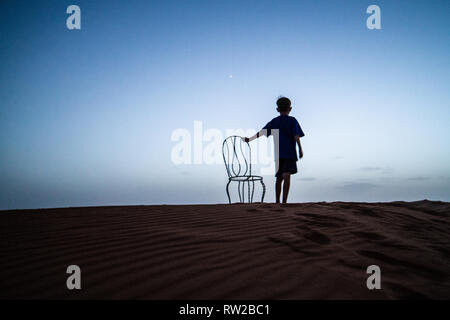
[288, 128]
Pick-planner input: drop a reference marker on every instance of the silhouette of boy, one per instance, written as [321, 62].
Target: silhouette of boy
[289, 133]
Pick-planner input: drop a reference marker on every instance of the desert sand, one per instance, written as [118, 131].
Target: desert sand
[240, 251]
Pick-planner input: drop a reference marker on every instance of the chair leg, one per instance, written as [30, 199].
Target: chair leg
[264, 191]
[248, 191]
[253, 190]
[243, 191]
[228, 192]
[239, 191]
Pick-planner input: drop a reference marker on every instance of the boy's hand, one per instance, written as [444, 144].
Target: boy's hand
[246, 139]
[300, 153]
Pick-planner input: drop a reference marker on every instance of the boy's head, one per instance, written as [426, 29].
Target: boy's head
[283, 105]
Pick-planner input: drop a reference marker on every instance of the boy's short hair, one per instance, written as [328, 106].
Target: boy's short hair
[283, 104]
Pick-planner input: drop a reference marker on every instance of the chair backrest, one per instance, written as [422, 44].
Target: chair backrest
[237, 157]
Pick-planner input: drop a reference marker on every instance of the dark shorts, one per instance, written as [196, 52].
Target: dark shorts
[286, 165]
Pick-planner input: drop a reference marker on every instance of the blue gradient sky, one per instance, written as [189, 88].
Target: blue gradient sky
[86, 116]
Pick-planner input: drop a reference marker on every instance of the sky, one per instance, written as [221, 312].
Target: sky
[88, 117]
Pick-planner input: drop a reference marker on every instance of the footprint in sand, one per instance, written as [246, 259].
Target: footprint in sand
[368, 212]
[368, 235]
[320, 221]
[312, 235]
[295, 243]
[317, 237]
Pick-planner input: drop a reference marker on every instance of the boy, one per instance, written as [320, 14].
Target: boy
[289, 132]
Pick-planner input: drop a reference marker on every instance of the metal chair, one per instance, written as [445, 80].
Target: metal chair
[235, 153]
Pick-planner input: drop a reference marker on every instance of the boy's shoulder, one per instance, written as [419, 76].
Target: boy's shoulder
[291, 118]
[283, 116]
[280, 121]
[276, 118]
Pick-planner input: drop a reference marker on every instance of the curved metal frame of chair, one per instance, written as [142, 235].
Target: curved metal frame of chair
[235, 175]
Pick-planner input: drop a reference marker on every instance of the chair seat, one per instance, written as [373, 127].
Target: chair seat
[246, 178]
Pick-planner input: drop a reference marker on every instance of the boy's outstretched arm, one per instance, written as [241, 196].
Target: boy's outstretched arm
[256, 136]
[300, 150]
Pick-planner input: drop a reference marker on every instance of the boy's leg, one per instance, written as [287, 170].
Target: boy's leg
[278, 188]
[286, 184]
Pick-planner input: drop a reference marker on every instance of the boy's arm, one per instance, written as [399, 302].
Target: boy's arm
[300, 150]
[256, 136]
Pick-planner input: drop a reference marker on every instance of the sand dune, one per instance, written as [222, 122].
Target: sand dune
[240, 251]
